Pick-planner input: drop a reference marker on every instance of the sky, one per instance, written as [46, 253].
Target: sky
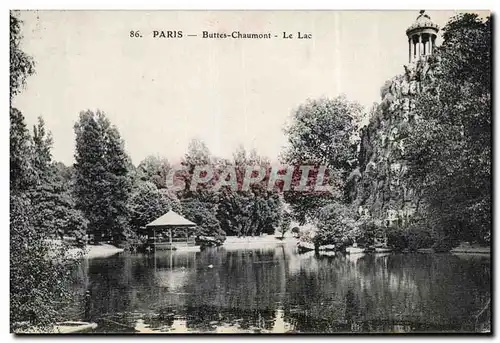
[161, 93]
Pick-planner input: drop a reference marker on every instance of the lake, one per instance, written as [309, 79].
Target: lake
[275, 289]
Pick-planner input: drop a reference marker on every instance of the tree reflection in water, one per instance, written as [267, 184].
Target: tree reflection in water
[278, 290]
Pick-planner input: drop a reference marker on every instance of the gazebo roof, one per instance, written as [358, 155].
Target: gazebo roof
[170, 219]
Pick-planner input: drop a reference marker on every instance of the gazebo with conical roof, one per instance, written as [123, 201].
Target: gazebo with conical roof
[170, 231]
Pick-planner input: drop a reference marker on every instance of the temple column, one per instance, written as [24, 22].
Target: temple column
[409, 50]
[419, 45]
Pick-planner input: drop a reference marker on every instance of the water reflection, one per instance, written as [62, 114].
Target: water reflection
[277, 290]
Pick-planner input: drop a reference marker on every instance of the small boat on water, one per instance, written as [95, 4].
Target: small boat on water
[382, 249]
[426, 250]
[326, 253]
[354, 250]
[74, 327]
[328, 247]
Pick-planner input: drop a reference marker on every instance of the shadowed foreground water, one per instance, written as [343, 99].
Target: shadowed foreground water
[278, 290]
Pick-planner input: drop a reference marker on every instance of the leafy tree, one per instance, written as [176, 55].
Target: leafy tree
[322, 133]
[264, 214]
[55, 212]
[171, 198]
[233, 213]
[449, 148]
[200, 205]
[204, 215]
[120, 182]
[22, 176]
[286, 221]
[42, 145]
[336, 225]
[253, 211]
[198, 154]
[146, 204]
[39, 286]
[155, 170]
[39, 273]
[21, 65]
[103, 183]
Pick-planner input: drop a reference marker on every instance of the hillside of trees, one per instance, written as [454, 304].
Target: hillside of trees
[421, 177]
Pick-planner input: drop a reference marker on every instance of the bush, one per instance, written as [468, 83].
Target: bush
[367, 233]
[396, 240]
[417, 236]
[335, 225]
[40, 275]
[443, 244]
[208, 241]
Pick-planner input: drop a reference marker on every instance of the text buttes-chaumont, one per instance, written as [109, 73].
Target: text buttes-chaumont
[236, 35]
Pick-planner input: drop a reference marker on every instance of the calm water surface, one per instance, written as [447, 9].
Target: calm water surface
[276, 289]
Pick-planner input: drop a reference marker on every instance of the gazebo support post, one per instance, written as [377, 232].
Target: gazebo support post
[170, 231]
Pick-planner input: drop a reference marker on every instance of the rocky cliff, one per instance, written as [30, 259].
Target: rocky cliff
[381, 191]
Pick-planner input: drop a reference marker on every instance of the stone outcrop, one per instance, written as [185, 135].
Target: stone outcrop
[381, 191]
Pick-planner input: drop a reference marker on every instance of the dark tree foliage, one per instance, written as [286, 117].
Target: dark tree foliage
[200, 205]
[39, 275]
[224, 210]
[154, 169]
[203, 214]
[336, 225]
[449, 148]
[55, 212]
[146, 204]
[322, 133]
[39, 272]
[286, 221]
[22, 175]
[21, 65]
[103, 183]
[248, 212]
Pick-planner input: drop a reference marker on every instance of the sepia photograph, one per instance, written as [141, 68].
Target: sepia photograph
[250, 172]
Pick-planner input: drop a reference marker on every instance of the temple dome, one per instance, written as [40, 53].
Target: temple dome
[422, 22]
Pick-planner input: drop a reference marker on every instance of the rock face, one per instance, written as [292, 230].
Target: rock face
[380, 190]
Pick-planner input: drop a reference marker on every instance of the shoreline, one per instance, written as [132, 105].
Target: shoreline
[233, 242]
[472, 250]
[94, 251]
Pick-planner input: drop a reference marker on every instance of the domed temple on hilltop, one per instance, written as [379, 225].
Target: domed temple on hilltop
[422, 36]
[382, 192]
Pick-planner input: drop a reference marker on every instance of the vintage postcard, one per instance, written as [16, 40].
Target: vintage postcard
[250, 172]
